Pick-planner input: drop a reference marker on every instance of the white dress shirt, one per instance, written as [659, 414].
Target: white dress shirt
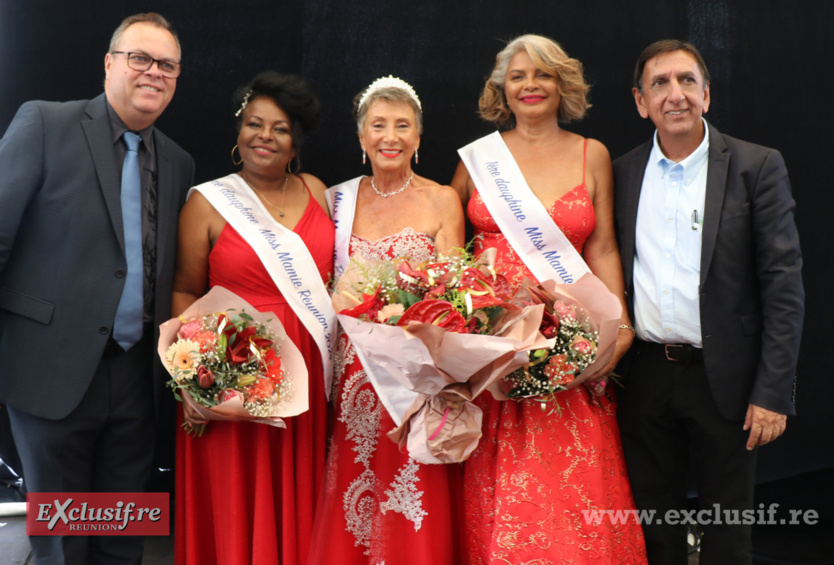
[667, 262]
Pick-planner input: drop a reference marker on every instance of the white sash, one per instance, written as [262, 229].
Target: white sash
[285, 257]
[342, 201]
[521, 217]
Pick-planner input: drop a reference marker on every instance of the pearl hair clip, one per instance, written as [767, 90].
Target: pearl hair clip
[243, 104]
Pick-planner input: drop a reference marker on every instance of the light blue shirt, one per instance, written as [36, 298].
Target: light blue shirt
[667, 262]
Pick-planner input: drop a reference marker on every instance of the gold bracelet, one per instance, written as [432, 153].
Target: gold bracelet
[629, 328]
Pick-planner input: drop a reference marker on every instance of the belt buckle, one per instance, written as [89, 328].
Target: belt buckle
[666, 351]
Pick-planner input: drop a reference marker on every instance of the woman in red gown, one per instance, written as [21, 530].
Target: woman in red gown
[246, 492]
[379, 505]
[537, 471]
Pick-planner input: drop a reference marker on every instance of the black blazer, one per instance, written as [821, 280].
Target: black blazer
[62, 245]
[751, 294]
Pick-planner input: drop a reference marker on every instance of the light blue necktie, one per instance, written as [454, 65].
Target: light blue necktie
[128, 328]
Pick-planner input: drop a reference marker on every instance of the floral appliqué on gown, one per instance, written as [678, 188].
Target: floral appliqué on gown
[536, 470]
[380, 506]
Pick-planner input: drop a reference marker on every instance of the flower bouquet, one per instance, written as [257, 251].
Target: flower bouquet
[228, 361]
[432, 336]
[583, 319]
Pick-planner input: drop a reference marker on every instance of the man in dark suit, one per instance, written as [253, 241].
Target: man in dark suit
[86, 269]
[713, 275]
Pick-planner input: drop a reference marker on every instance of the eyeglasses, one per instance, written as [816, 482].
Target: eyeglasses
[142, 62]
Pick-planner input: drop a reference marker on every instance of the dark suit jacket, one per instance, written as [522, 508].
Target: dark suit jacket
[62, 258]
[751, 294]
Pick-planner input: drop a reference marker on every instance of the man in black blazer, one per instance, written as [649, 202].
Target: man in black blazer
[713, 274]
[81, 403]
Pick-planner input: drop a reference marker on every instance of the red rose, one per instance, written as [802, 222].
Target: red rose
[564, 311]
[188, 330]
[559, 370]
[583, 345]
[549, 326]
[227, 395]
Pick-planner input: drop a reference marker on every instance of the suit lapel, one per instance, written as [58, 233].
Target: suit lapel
[100, 142]
[636, 168]
[718, 164]
[167, 205]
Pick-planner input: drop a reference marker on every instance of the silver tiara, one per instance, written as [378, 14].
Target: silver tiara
[389, 82]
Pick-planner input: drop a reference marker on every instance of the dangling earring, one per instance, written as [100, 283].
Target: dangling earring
[416, 157]
[233, 156]
[363, 156]
[289, 171]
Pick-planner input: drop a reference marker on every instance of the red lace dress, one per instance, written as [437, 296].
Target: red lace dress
[379, 505]
[534, 472]
[245, 492]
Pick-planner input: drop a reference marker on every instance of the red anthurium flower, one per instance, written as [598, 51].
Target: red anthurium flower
[371, 304]
[432, 279]
[435, 292]
[421, 277]
[484, 289]
[437, 312]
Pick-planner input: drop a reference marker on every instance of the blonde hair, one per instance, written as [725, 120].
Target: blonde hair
[548, 56]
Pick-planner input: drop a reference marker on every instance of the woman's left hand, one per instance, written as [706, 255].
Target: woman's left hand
[625, 338]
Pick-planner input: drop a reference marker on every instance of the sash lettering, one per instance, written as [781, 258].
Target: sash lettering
[522, 218]
[285, 257]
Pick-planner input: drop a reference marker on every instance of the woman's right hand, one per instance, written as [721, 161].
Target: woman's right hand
[191, 416]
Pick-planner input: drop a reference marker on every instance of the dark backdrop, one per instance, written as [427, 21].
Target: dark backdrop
[772, 83]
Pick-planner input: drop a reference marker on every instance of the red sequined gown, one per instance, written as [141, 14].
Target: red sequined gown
[379, 505]
[535, 471]
[245, 492]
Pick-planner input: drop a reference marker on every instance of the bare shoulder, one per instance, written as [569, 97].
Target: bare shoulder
[198, 206]
[598, 153]
[317, 188]
[440, 194]
[313, 182]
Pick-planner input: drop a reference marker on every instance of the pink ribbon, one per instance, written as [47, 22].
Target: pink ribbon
[442, 423]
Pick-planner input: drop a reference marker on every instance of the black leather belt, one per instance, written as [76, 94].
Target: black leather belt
[679, 352]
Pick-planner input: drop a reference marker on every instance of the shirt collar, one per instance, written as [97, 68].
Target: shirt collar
[118, 127]
[691, 164]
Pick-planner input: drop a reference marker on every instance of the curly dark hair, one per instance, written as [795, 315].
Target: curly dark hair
[291, 93]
